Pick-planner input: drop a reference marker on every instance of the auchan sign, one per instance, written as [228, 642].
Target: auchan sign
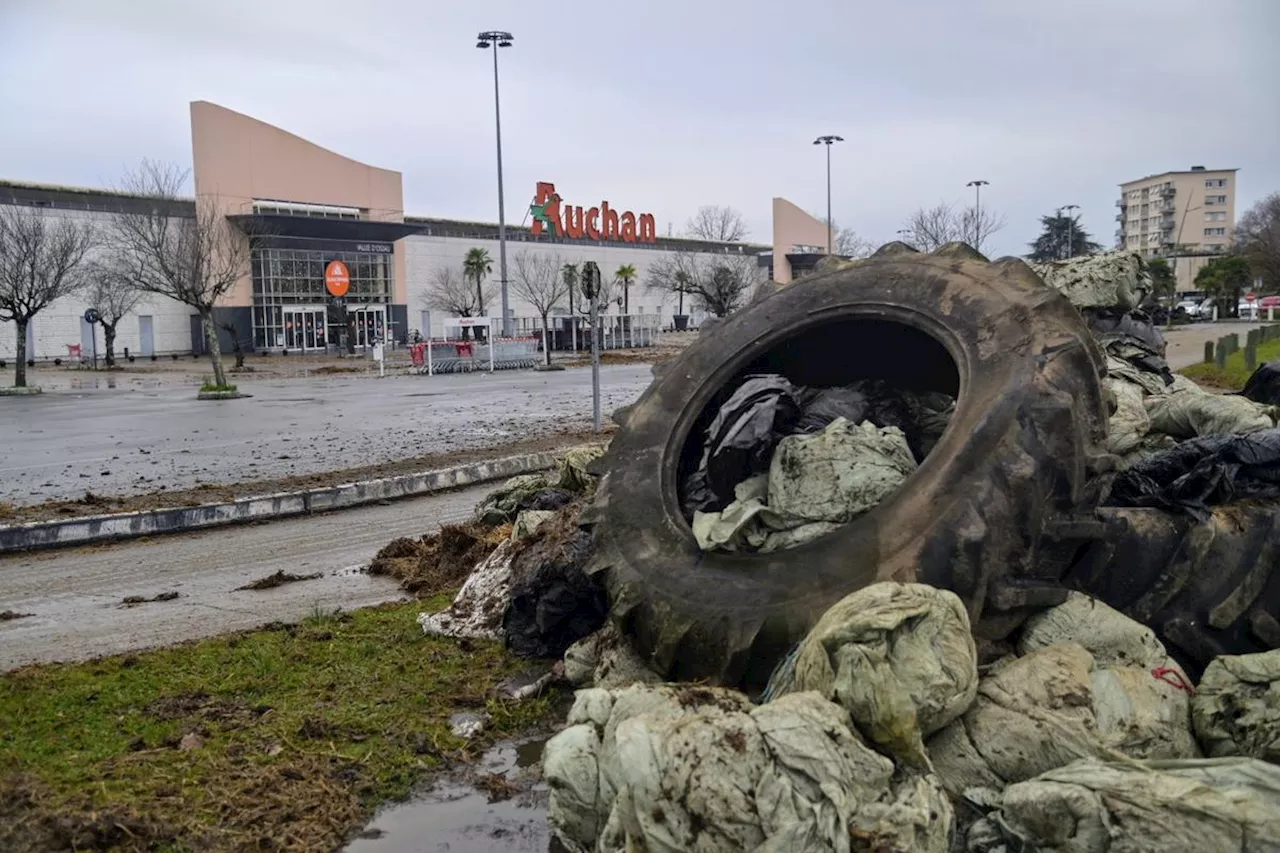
[594, 223]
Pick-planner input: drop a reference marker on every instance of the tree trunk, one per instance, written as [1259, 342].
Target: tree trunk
[546, 340]
[626, 297]
[215, 348]
[109, 340]
[680, 298]
[479, 297]
[20, 353]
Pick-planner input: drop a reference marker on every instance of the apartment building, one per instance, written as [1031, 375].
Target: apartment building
[1186, 217]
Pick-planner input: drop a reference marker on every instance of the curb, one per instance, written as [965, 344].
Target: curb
[130, 525]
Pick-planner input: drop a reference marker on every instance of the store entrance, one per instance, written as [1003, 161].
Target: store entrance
[304, 329]
[368, 324]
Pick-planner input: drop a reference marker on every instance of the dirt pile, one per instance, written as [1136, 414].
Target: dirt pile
[438, 561]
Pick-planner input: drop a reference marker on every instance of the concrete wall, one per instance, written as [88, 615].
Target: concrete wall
[237, 159]
[60, 323]
[793, 227]
[425, 254]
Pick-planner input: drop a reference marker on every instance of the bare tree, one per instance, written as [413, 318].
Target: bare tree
[977, 225]
[1257, 238]
[930, 229]
[41, 261]
[720, 284]
[539, 280]
[933, 228]
[195, 260]
[112, 295]
[850, 245]
[712, 222]
[452, 293]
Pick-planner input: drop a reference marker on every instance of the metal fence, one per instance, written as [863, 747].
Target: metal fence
[457, 356]
[572, 333]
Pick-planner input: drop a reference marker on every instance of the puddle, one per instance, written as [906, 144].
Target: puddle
[454, 817]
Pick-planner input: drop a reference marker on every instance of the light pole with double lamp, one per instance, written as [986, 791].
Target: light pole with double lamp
[496, 39]
[977, 212]
[827, 141]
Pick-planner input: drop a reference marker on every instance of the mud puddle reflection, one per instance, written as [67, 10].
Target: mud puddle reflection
[456, 815]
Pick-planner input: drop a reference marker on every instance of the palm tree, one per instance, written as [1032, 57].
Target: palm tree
[569, 272]
[626, 274]
[475, 266]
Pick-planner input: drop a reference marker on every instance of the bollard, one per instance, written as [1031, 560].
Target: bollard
[1220, 354]
[1208, 352]
[1235, 343]
[1251, 356]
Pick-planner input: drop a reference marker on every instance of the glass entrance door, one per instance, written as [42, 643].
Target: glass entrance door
[369, 325]
[304, 329]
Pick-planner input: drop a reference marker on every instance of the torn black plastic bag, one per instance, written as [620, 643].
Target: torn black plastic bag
[820, 406]
[746, 429]
[1203, 472]
[554, 603]
[921, 415]
[1132, 337]
[1264, 385]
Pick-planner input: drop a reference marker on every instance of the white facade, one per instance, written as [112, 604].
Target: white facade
[425, 253]
[61, 324]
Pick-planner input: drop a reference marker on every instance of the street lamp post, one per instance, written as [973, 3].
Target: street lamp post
[977, 212]
[1071, 229]
[827, 141]
[496, 39]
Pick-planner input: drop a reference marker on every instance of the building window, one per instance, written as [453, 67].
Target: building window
[289, 281]
[1216, 216]
[1215, 232]
[1216, 182]
[1215, 199]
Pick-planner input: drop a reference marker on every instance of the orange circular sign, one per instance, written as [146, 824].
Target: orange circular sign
[337, 278]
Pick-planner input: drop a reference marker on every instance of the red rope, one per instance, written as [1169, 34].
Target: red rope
[1174, 678]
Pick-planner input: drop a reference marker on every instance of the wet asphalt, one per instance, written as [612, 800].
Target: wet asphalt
[129, 440]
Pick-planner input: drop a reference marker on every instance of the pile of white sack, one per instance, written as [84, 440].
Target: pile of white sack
[879, 733]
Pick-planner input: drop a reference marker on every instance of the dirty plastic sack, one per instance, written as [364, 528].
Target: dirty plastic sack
[671, 768]
[741, 437]
[1263, 386]
[1188, 415]
[1236, 709]
[553, 603]
[1053, 706]
[900, 658]
[478, 608]
[1130, 423]
[815, 484]
[606, 659]
[1226, 805]
[1112, 638]
[921, 415]
[821, 406]
[503, 504]
[1117, 280]
[571, 469]
[1203, 472]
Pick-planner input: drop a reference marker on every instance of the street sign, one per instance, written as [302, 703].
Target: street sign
[92, 316]
[337, 278]
[1251, 297]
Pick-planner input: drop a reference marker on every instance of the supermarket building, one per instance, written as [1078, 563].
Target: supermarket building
[305, 206]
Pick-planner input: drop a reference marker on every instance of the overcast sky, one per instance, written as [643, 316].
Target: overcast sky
[666, 105]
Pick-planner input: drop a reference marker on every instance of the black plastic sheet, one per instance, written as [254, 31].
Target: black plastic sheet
[1203, 472]
[554, 603]
[1133, 337]
[820, 406]
[1264, 385]
[740, 441]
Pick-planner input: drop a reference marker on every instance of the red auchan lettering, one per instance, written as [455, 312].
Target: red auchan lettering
[594, 223]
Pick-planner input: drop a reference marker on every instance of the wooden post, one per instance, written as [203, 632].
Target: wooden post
[1251, 356]
[1220, 354]
[1208, 352]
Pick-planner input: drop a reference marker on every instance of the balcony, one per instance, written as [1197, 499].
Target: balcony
[1167, 192]
[1121, 204]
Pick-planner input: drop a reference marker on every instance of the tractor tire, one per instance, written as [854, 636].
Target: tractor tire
[997, 512]
[1207, 588]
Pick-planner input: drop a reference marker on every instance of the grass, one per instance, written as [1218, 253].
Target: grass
[214, 388]
[1233, 376]
[284, 738]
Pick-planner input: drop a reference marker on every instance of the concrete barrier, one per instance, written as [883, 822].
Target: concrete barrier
[130, 525]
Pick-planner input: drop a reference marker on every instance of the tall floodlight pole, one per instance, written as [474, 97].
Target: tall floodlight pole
[827, 141]
[977, 212]
[496, 39]
[1071, 229]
